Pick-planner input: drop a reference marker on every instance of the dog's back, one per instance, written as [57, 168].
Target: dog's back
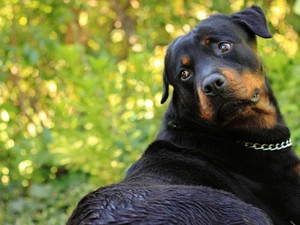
[164, 204]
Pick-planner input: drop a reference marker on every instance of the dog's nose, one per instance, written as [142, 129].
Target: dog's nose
[214, 85]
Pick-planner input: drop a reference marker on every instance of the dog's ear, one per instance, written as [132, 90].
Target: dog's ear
[254, 18]
[165, 87]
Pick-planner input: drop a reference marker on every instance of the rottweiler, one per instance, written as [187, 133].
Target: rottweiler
[224, 154]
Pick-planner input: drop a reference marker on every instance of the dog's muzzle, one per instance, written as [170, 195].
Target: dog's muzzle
[214, 85]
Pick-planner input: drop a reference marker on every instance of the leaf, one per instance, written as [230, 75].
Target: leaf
[296, 7]
[41, 191]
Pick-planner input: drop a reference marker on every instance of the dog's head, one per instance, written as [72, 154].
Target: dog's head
[218, 66]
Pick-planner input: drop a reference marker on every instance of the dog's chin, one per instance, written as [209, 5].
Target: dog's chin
[229, 111]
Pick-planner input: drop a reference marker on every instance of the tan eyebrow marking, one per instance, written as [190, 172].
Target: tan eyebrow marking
[185, 60]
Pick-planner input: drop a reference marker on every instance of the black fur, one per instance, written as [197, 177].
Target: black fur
[197, 171]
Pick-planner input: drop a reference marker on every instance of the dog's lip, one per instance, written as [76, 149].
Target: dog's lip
[229, 110]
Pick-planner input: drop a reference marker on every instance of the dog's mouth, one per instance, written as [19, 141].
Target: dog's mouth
[240, 101]
[244, 114]
[222, 110]
[231, 110]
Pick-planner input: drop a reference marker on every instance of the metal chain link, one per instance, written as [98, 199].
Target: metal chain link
[267, 147]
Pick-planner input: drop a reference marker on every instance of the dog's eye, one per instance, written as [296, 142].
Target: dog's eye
[184, 74]
[224, 46]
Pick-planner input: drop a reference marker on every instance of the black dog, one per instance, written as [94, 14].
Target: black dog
[224, 155]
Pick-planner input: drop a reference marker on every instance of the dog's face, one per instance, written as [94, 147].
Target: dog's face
[218, 66]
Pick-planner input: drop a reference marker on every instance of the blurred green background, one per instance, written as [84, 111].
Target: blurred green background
[80, 89]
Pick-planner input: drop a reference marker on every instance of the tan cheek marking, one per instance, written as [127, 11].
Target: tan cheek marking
[236, 84]
[297, 169]
[185, 61]
[205, 106]
[231, 75]
[244, 84]
[253, 81]
[263, 114]
[259, 120]
[266, 112]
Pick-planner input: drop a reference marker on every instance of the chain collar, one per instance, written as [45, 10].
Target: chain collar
[267, 147]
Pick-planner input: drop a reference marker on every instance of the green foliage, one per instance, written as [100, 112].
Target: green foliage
[47, 203]
[80, 90]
